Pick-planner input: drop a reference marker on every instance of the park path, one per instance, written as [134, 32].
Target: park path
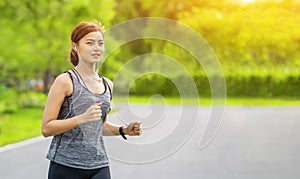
[252, 143]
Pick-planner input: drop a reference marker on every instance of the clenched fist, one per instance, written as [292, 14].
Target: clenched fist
[134, 128]
[93, 113]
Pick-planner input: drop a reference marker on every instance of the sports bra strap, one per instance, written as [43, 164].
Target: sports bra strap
[79, 79]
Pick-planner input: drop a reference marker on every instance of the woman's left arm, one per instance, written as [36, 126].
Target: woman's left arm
[133, 129]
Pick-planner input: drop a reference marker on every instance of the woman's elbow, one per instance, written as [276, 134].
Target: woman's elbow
[45, 132]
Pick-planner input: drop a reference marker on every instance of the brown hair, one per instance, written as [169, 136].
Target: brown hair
[79, 32]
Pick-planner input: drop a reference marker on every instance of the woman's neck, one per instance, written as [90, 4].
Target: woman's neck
[86, 70]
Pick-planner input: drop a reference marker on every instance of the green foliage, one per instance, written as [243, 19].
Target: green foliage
[250, 37]
[8, 100]
[263, 86]
[153, 84]
[11, 100]
[257, 43]
[32, 99]
[236, 86]
[37, 35]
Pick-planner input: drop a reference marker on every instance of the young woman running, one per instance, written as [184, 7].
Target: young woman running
[76, 112]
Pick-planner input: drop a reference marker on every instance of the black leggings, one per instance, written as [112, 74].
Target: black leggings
[58, 171]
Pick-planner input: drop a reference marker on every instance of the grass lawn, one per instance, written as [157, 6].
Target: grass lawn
[208, 101]
[24, 124]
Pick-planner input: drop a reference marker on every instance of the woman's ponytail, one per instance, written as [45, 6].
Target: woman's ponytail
[74, 57]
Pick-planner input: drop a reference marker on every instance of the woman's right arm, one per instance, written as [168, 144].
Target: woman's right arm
[61, 88]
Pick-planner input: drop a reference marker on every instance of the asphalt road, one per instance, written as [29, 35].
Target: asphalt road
[251, 143]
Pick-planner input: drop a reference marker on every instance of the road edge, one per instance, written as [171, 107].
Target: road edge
[23, 143]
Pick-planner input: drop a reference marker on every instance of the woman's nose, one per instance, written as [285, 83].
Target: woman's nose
[97, 47]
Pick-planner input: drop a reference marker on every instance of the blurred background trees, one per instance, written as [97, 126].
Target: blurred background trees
[257, 42]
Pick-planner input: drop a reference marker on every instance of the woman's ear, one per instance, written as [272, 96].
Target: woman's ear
[74, 46]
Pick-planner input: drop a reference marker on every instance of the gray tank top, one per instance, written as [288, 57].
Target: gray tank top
[81, 147]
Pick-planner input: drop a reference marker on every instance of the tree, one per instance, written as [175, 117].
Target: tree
[37, 33]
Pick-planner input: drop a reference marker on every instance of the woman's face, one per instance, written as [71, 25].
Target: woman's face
[91, 47]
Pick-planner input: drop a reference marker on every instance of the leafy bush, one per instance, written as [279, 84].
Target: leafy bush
[32, 99]
[8, 100]
[253, 85]
[11, 99]
[263, 86]
[153, 84]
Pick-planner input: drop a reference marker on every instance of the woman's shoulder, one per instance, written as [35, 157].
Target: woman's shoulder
[63, 78]
[64, 81]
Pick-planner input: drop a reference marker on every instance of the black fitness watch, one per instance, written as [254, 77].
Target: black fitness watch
[122, 132]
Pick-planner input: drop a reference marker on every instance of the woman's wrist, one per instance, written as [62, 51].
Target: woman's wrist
[123, 131]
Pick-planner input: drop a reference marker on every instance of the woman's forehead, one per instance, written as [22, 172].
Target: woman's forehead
[94, 36]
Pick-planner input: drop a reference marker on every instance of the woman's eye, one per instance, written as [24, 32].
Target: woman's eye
[89, 43]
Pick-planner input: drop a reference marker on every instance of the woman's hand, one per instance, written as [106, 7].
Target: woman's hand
[93, 113]
[134, 128]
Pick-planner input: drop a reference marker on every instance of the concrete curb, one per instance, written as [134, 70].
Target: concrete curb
[21, 143]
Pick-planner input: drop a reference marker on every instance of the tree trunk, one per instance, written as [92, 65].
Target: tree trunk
[46, 81]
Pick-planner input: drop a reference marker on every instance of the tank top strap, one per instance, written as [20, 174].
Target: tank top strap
[72, 79]
[70, 74]
[107, 86]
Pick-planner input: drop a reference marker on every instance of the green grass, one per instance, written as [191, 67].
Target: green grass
[208, 101]
[23, 124]
[263, 101]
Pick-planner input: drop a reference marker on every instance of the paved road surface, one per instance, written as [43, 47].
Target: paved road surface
[252, 143]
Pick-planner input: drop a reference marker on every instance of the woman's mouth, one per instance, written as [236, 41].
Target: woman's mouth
[96, 55]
